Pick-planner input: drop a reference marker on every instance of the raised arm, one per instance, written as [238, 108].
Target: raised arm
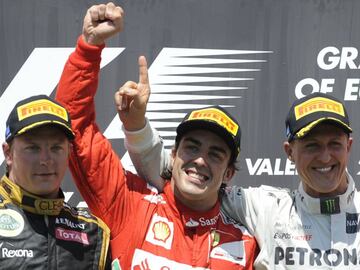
[95, 167]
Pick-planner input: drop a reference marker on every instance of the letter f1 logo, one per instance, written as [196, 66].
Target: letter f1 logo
[174, 75]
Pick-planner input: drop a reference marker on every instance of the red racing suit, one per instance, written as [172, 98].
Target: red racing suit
[149, 230]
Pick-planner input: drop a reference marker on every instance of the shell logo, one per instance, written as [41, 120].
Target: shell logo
[161, 231]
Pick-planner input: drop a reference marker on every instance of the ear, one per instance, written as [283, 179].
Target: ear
[7, 153]
[349, 144]
[288, 150]
[228, 174]
[71, 147]
[173, 155]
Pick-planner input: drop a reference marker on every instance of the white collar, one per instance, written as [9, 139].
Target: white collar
[327, 206]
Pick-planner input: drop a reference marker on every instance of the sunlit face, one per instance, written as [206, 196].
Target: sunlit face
[200, 165]
[37, 160]
[321, 158]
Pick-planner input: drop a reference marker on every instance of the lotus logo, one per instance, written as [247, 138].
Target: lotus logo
[161, 231]
[11, 223]
[7, 222]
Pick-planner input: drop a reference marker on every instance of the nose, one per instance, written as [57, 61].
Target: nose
[45, 157]
[325, 155]
[200, 160]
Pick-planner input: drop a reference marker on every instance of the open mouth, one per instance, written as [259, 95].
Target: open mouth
[325, 169]
[197, 176]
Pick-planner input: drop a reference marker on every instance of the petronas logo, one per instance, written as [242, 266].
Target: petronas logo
[8, 223]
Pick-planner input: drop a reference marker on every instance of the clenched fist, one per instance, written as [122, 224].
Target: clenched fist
[102, 22]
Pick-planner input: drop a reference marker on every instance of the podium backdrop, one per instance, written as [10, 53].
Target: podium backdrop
[254, 56]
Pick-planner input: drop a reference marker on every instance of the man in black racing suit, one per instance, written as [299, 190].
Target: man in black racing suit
[38, 230]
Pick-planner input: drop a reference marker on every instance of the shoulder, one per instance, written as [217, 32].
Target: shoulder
[6, 202]
[263, 191]
[77, 212]
[275, 191]
[79, 215]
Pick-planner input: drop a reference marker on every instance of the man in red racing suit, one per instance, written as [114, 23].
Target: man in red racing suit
[149, 230]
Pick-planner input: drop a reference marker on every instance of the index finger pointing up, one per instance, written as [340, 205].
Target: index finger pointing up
[143, 71]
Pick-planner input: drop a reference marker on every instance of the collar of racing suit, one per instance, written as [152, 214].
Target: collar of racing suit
[30, 202]
[330, 205]
[189, 217]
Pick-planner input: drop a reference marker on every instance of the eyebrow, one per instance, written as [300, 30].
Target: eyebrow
[213, 147]
[33, 140]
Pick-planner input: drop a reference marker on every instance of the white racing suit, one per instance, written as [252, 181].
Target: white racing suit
[296, 231]
[293, 230]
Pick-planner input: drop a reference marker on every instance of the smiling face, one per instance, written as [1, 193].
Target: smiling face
[200, 166]
[37, 160]
[321, 158]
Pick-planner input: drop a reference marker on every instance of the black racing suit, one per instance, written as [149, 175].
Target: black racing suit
[37, 233]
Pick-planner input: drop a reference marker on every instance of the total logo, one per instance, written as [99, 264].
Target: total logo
[12, 252]
[70, 235]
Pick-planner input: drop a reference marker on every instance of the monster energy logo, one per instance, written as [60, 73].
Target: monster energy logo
[329, 206]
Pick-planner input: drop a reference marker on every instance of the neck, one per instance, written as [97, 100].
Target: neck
[341, 189]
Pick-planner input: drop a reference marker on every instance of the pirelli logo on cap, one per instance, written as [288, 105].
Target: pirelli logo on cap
[40, 107]
[318, 104]
[216, 116]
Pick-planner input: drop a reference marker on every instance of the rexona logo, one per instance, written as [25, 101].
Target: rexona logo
[7, 252]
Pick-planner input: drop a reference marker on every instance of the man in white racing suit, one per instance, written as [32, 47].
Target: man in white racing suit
[313, 227]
